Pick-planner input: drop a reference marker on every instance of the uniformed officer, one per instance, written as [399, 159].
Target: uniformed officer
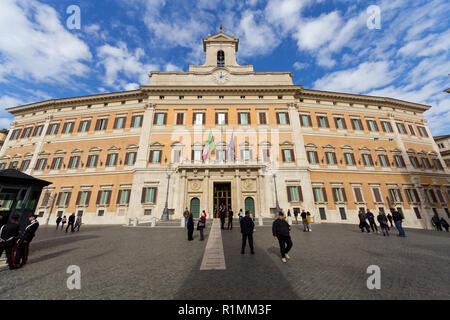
[8, 237]
[24, 241]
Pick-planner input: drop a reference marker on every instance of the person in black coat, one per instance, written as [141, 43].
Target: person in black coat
[444, 223]
[200, 226]
[58, 221]
[190, 227]
[222, 215]
[8, 237]
[247, 227]
[389, 216]
[230, 219]
[281, 231]
[383, 221]
[71, 222]
[23, 244]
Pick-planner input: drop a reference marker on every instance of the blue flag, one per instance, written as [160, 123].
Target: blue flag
[231, 146]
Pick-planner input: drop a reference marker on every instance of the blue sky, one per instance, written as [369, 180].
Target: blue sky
[326, 44]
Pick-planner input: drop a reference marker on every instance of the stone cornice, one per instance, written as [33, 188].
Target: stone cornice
[219, 89]
[209, 72]
[363, 99]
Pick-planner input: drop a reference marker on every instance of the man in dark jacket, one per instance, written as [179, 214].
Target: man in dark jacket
[23, 244]
[362, 222]
[444, 223]
[371, 218]
[8, 237]
[230, 219]
[247, 227]
[71, 222]
[222, 215]
[383, 221]
[397, 216]
[390, 219]
[280, 230]
[305, 222]
[436, 222]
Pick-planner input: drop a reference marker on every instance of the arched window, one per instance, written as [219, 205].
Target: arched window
[220, 58]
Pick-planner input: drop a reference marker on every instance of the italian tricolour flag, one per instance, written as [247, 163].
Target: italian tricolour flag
[209, 146]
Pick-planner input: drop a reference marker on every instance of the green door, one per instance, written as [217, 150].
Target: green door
[195, 207]
[250, 205]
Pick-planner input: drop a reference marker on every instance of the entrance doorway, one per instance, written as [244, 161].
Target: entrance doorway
[222, 196]
[250, 205]
[195, 207]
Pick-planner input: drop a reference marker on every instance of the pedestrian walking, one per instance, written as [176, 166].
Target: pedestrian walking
[383, 221]
[240, 215]
[397, 217]
[230, 219]
[362, 222]
[247, 228]
[371, 218]
[63, 222]
[305, 222]
[23, 244]
[201, 224]
[308, 221]
[289, 217]
[436, 222]
[295, 216]
[58, 221]
[281, 231]
[390, 219]
[186, 217]
[444, 223]
[78, 223]
[9, 234]
[190, 227]
[222, 215]
[71, 222]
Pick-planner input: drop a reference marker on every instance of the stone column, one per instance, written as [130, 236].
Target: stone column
[400, 143]
[238, 190]
[8, 136]
[144, 141]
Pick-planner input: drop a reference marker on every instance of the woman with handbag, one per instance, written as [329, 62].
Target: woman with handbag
[200, 226]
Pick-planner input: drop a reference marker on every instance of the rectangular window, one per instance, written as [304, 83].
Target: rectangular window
[349, 159]
[386, 126]
[149, 195]
[221, 118]
[377, 195]
[262, 118]
[322, 122]
[305, 120]
[64, 198]
[15, 134]
[53, 129]
[409, 195]
[367, 158]
[221, 155]
[92, 161]
[197, 155]
[13, 165]
[111, 159]
[357, 124]
[130, 158]
[73, 162]
[411, 130]
[160, 119]
[343, 214]
[394, 195]
[288, 155]
[399, 161]
[340, 123]
[417, 212]
[440, 196]
[293, 194]
[25, 164]
[101, 124]
[136, 121]
[68, 127]
[401, 128]
[384, 161]
[358, 195]
[155, 156]
[199, 118]
[414, 162]
[180, 119]
[313, 157]
[40, 165]
[323, 215]
[426, 163]
[2, 165]
[119, 123]
[27, 132]
[38, 131]
[422, 131]
[437, 164]
[266, 155]
[56, 163]
[246, 154]
[372, 125]
[331, 158]
[123, 197]
[282, 118]
[244, 118]
[318, 196]
[105, 197]
[84, 126]
[339, 195]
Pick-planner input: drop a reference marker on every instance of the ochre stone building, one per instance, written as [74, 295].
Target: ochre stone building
[109, 156]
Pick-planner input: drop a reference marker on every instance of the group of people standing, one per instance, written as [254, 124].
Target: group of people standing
[189, 224]
[367, 222]
[439, 223]
[16, 242]
[74, 223]
[306, 219]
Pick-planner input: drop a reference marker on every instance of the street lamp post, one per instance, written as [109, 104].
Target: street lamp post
[276, 196]
[165, 215]
[51, 209]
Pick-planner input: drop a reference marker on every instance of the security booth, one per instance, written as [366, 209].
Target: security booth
[19, 195]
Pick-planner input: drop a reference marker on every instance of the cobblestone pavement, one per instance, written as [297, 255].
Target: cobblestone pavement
[159, 263]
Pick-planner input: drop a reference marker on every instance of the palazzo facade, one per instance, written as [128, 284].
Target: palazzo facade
[121, 157]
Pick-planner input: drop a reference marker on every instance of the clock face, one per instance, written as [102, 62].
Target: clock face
[221, 76]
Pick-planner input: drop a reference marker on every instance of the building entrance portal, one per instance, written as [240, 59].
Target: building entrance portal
[222, 196]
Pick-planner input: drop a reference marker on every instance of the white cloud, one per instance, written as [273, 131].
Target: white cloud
[285, 13]
[366, 76]
[300, 65]
[34, 44]
[172, 67]
[120, 64]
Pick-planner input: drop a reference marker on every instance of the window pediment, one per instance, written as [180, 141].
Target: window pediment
[132, 146]
[286, 144]
[95, 149]
[113, 148]
[347, 148]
